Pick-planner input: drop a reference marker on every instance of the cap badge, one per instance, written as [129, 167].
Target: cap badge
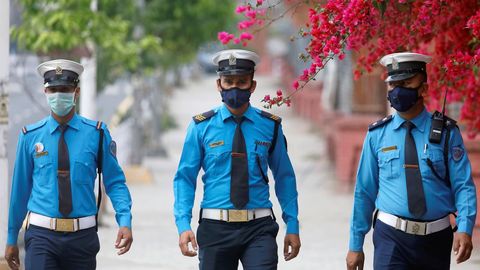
[394, 63]
[232, 60]
[58, 70]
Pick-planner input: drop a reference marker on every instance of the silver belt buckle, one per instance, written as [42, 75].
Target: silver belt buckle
[417, 228]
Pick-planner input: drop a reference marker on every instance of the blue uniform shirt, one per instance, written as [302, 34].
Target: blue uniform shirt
[208, 145]
[381, 179]
[34, 185]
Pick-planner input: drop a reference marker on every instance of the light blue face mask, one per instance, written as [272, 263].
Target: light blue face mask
[61, 103]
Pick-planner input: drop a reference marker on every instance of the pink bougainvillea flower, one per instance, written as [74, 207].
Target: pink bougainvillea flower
[225, 37]
[246, 36]
[295, 85]
[241, 9]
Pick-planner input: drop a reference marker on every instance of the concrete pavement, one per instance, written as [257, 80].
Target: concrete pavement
[324, 212]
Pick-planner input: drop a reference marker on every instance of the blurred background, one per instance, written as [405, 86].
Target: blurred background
[148, 70]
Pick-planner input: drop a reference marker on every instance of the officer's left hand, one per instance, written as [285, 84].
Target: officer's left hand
[291, 246]
[124, 240]
[11, 255]
[462, 246]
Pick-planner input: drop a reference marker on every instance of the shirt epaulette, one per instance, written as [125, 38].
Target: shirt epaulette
[203, 116]
[380, 122]
[95, 124]
[449, 122]
[34, 126]
[271, 116]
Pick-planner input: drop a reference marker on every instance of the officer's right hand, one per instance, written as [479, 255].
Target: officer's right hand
[462, 246]
[186, 238]
[355, 260]
[11, 255]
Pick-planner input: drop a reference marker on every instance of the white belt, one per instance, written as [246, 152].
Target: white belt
[61, 224]
[414, 227]
[233, 215]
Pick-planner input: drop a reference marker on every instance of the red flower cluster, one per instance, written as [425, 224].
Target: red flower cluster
[253, 16]
[447, 30]
[278, 100]
[225, 37]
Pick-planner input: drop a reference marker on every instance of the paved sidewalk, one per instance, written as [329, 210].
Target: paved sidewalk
[324, 212]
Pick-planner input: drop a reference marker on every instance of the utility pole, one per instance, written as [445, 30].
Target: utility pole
[5, 182]
[88, 81]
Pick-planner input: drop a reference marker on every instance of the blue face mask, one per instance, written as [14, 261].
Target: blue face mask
[235, 97]
[402, 99]
[61, 103]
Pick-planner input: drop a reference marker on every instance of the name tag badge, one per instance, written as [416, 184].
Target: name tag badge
[215, 144]
[44, 153]
[390, 148]
[266, 144]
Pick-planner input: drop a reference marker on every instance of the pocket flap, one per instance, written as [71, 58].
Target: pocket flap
[84, 161]
[389, 155]
[43, 161]
[435, 155]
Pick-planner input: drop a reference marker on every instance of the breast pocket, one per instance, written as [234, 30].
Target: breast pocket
[389, 164]
[43, 170]
[217, 162]
[435, 164]
[84, 170]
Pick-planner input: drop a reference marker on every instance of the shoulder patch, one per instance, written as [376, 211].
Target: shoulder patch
[203, 116]
[457, 153]
[34, 126]
[380, 122]
[271, 116]
[113, 148]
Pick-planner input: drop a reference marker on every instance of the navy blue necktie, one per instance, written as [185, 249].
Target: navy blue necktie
[416, 196]
[64, 186]
[239, 174]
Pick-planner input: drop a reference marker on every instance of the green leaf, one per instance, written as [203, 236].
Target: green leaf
[380, 6]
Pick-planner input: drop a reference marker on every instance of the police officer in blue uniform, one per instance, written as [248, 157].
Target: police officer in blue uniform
[54, 178]
[235, 144]
[414, 170]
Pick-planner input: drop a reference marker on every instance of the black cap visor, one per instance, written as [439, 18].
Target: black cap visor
[234, 72]
[60, 83]
[400, 77]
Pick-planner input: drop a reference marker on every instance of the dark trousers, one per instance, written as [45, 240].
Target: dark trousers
[223, 244]
[46, 249]
[397, 250]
